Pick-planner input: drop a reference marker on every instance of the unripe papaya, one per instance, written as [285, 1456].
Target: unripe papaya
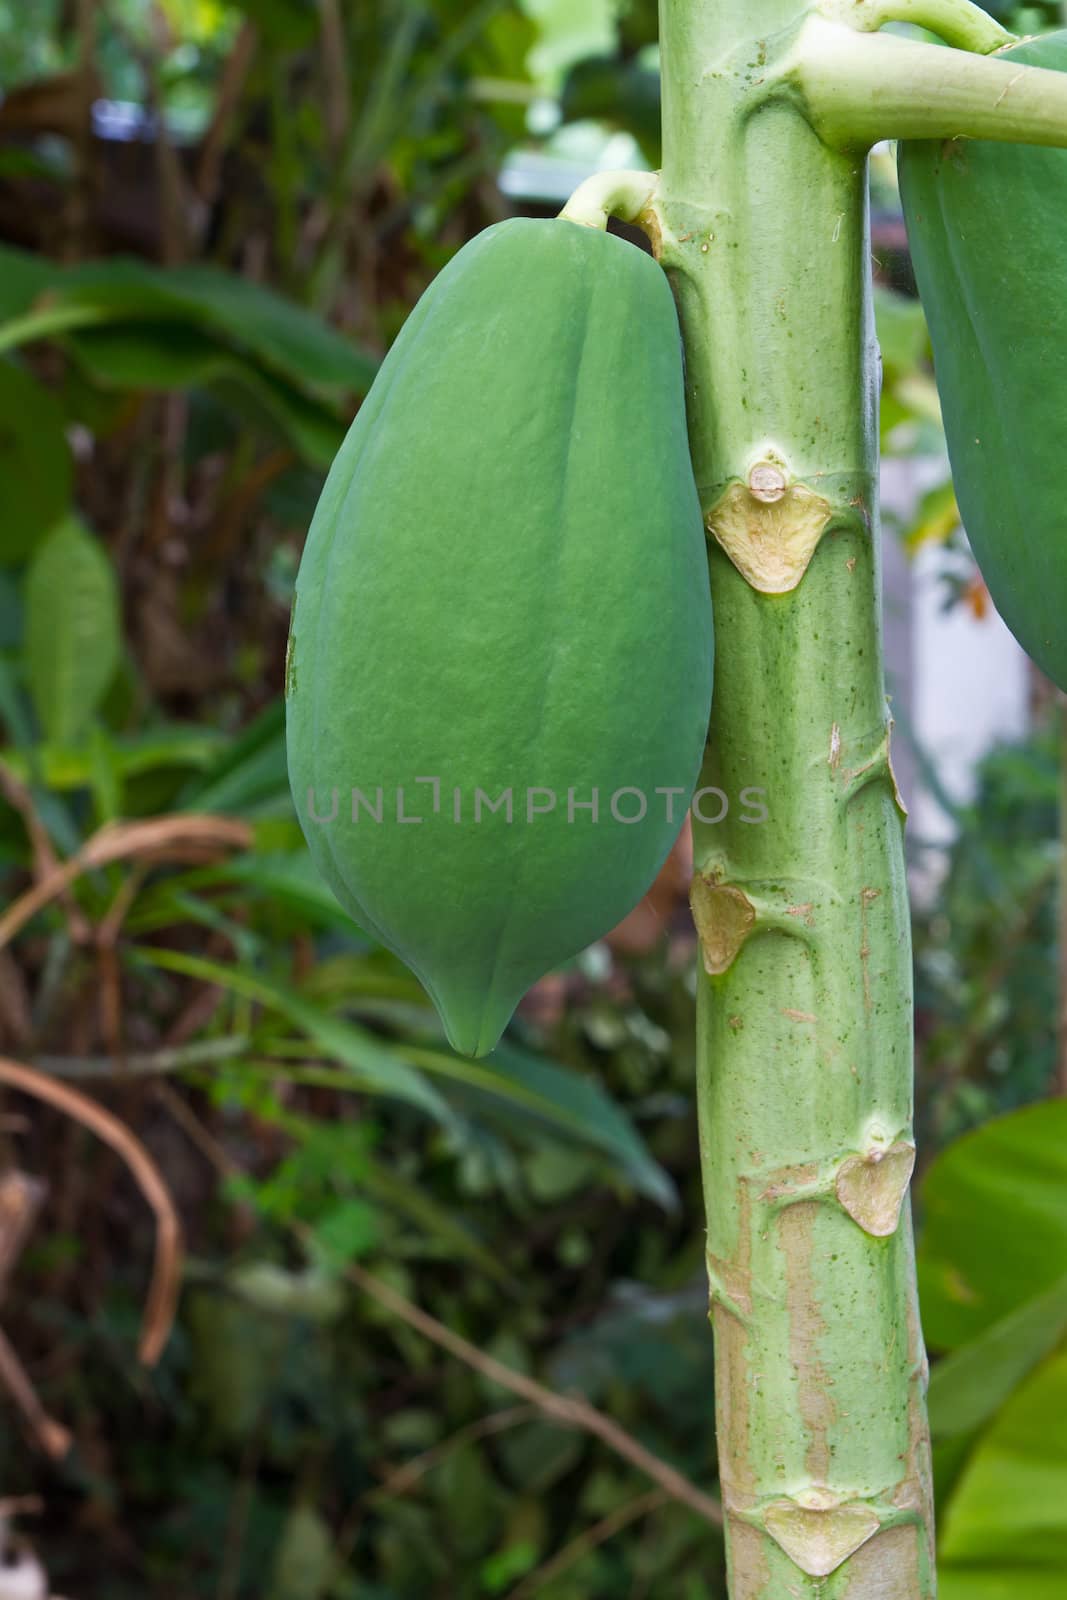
[501, 649]
[987, 225]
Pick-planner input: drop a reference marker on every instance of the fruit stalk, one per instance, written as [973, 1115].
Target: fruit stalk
[957, 22]
[805, 1001]
[858, 87]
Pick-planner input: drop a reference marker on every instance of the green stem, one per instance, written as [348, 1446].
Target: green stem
[625, 195]
[50, 322]
[958, 22]
[805, 1007]
[857, 88]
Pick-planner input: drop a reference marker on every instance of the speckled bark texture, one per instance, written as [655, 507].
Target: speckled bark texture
[805, 1057]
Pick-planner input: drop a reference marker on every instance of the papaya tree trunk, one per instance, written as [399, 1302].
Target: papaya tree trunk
[799, 897]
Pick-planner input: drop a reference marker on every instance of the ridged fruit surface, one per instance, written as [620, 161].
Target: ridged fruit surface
[505, 591]
[987, 224]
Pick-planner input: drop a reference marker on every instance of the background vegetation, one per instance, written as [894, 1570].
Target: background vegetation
[440, 1325]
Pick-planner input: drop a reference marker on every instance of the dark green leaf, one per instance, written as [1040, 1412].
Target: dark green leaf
[1004, 1536]
[284, 336]
[995, 1230]
[35, 465]
[368, 1063]
[544, 1094]
[968, 1387]
[73, 631]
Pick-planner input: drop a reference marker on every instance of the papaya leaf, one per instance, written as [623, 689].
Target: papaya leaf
[35, 464]
[1004, 1535]
[995, 1231]
[73, 630]
[970, 1386]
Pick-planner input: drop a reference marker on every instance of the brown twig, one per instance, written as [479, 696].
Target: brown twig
[208, 180]
[172, 837]
[19, 798]
[195, 1131]
[590, 1540]
[235, 511]
[145, 1064]
[15, 1013]
[404, 1478]
[568, 1410]
[45, 860]
[170, 179]
[21, 1198]
[163, 1290]
[195, 1016]
[53, 1438]
[335, 73]
[21, 1505]
[108, 932]
[82, 193]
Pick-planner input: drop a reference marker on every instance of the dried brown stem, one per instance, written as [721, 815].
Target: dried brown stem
[52, 1437]
[146, 1064]
[335, 73]
[166, 1272]
[172, 837]
[195, 1131]
[568, 1410]
[208, 178]
[404, 1479]
[21, 1198]
[15, 1014]
[45, 860]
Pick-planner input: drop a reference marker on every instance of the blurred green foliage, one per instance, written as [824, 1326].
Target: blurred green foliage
[189, 317]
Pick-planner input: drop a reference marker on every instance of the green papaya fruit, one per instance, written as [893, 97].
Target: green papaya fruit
[987, 225]
[499, 678]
